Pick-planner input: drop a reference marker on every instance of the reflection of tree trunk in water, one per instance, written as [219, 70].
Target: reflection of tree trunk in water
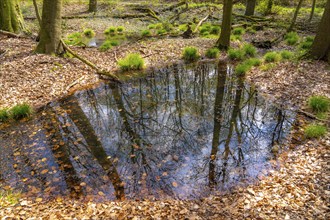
[233, 117]
[93, 143]
[62, 155]
[135, 139]
[278, 128]
[178, 94]
[203, 75]
[222, 75]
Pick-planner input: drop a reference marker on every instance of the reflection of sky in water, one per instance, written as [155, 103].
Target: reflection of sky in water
[157, 135]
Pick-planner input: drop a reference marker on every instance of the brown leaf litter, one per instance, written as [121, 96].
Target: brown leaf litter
[298, 189]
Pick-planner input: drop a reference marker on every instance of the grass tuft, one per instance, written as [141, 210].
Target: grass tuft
[20, 111]
[9, 198]
[271, 57]
[4, 115]
[253, 62]
[242, 68]
[236, 54]
[315, 131]
[291, 38]
[249, 50]
[319, 103]
[286, 55]
[190, 54]
[212, 53]
[105, 46]
[132, 61]
[238, 31]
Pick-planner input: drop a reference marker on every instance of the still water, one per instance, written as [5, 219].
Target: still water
[182, 132]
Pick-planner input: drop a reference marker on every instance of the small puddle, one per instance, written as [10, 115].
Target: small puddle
[183, 132]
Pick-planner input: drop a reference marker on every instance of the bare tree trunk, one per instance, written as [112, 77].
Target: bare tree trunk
[223, 42]
[92, 6]
[312, 11]
[293, 22]
[37, 11]
[50, 30]
[269, 7]
[321, 45]
[11, 18]
[250, 6]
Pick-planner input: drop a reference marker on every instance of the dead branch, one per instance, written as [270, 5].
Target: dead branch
[74, 83]
[90, 64]
[170, 8]
[310, 115]
[200, 23]
[3, 53]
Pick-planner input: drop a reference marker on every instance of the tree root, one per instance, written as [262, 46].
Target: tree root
[10, 34]
[90, 64]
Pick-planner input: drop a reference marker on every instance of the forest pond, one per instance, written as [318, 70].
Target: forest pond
[182, 132]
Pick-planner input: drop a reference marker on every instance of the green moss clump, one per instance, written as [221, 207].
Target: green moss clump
[4, 115]
[190, 54]
[132, 61]
[212, 53]
[271, 57]
[249, 50]
[319, 103]
[89, 33]
[146, 33]
[120, 29]
[236, 54]
[315, 131]
[111, 31]
[161, 31]
[20, 111]
[74, 39]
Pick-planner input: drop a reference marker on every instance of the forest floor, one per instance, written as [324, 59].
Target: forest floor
[297, 189]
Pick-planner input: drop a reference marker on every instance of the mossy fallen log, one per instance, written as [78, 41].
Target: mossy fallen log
[90, 64]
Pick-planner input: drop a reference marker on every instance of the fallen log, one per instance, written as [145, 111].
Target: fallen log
[90, 64]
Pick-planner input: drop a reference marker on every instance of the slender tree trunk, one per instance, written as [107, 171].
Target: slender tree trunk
[312, 11]
[92, 6]
[50, 30]
[321, 45]
[37, 11]
[223, 42]
[11, 18]
[250, 6]
[269, 7]
[293, 22]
